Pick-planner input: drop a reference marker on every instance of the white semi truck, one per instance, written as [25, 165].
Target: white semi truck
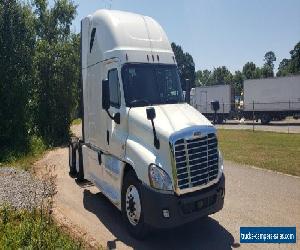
[272, 98]
[154, 156]
[201, 98]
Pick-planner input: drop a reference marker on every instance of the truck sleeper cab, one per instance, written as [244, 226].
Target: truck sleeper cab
[154, 156]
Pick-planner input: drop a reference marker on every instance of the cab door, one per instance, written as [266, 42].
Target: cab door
[116, 134]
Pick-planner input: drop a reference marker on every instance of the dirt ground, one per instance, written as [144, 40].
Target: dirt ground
[254, 197]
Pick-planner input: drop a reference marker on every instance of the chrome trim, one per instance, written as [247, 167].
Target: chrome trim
[188, 167]
[189, 133]
[173, 165]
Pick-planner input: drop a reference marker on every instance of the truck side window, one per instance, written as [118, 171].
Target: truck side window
[114, 88]
[92, 39]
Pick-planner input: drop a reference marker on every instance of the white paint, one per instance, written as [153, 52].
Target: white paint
[202, 97]
[272, 94]
[120, 38]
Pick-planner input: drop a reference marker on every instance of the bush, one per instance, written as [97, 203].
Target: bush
[33, 230]
[26, 156]
[17, 39]
[39, 74]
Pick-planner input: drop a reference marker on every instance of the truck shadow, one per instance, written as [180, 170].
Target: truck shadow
[202, 234]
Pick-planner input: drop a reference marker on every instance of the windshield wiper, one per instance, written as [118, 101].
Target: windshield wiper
[139, 103]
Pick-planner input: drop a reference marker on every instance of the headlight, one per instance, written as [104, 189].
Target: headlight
[221, 167]
[159, 179]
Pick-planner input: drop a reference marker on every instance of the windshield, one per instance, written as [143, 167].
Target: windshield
[150, 84]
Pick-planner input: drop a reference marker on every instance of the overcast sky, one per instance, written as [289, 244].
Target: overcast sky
[217, 32]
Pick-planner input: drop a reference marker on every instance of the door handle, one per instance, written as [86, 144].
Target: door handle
[107, 137]
[100, 158]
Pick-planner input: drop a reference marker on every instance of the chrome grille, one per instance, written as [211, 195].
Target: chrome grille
[196, 160]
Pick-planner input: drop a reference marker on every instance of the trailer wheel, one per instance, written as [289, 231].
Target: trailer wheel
[132, 209]
[73, 145]
[265, 119]
[220, 119]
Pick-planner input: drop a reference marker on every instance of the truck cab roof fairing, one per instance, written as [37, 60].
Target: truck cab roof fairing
[120, 33]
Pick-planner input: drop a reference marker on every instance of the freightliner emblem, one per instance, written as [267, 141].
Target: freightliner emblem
[197, 134]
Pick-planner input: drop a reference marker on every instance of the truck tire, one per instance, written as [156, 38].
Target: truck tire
[132, 209]
[80, 175]
[73, 145]
[220, 119]
[265, 119]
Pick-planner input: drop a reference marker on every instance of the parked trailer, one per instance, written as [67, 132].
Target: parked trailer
[272, 98]
[137, 127]
[202, 97]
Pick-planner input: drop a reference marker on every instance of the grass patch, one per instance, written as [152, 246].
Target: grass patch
[32, 230]
[76, 122]
[269, 150]
[24, 158]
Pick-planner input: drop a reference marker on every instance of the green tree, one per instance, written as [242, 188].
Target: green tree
[295, 59]
[221, 75]
[57, 70]
[290, 66]
[270, 58]
[268, 69]
[39, 73]
[284, 68]
[238, 80]
[17, 39]
[186, 66]
[203, 77]
[250, 71]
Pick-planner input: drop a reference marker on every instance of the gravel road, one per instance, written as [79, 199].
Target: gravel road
[254, 197]
[20, 189]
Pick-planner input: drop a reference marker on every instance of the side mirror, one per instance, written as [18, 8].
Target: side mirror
[215, 105]
[151, 116]
[151, 113]
[105, 95]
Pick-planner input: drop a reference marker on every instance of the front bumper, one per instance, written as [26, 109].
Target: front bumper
[182, 209]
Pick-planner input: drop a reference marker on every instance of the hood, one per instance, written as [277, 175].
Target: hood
[170, 118]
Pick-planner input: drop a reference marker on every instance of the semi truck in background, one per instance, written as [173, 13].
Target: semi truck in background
[272, 99]
[154, 156]
[268, 99]
[201, 98]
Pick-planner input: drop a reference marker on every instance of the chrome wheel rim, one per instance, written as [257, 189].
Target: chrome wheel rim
[133, 205]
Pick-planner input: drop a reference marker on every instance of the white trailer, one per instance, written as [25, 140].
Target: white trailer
[154, 156]
[272, 98]
[204, 95]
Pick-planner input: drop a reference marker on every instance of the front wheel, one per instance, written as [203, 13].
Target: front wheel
[132, 209]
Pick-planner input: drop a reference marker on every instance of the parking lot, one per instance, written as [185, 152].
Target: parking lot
[286, 126]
